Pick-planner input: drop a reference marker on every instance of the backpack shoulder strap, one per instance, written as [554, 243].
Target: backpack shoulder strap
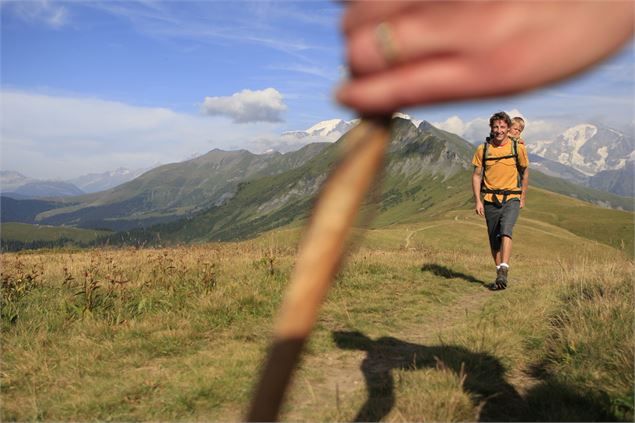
[519, 169]
[484, 164]
[485, 144]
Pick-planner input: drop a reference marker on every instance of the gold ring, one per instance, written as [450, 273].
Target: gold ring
[386, 42]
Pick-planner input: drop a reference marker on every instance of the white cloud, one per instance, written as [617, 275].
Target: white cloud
[40, 12]
[453, 124]
[282, 143]
[288, 141]
[47, 136]
[475, 130]
[515, 112]
[539, 129]
[320, 71]
[248, 106]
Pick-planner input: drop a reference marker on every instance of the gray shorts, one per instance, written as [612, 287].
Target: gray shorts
[500, 221]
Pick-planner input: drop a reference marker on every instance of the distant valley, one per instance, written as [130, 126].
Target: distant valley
[16, 185]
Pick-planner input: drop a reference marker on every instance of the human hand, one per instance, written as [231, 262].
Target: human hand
[522, 202]
[434, 51]
[479, 209]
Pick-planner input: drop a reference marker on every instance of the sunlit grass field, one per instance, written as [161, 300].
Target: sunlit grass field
[409, 331]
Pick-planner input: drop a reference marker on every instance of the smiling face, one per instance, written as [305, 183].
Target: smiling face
[500, 131]
[515, 130]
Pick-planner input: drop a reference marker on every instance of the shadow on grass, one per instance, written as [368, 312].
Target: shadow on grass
[447, 273]
[484, 382]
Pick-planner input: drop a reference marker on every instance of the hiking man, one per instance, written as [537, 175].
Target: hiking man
[501, 174]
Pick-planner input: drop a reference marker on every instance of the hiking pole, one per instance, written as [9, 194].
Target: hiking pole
[318, 260]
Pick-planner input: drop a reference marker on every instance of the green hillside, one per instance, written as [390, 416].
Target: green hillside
[419, 165]
[175, 190]
[592, 195]
[23, 210]
[608, 226]
[612, 227]
[259, 205]
[17, 236]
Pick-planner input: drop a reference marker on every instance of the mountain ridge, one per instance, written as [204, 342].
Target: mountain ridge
[588, 148]
[14, 183]
[174, 190]
[419, 158]
[427, 173]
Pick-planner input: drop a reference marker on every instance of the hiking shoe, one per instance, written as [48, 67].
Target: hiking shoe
[501, 278]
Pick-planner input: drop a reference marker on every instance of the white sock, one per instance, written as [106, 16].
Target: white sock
[498, 267]
[504, 265]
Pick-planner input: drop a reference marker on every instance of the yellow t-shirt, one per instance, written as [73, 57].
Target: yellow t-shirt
[501, 174]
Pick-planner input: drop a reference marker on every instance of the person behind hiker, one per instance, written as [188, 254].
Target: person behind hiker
[501, 174]
[517, 128]
[412, 53]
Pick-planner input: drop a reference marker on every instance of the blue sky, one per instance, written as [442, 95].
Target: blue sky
[92, 86]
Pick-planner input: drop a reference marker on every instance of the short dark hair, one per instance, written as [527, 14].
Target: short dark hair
[500, 116]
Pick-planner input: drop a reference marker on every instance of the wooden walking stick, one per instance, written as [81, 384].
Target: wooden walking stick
[321, 252]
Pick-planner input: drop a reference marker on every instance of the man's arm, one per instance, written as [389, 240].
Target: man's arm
[525, 185]
[477, 177]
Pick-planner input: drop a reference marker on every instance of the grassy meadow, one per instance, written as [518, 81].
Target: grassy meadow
[409, 331]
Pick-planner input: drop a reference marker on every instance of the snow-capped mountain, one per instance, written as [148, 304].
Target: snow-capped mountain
[10, 180]
[337, 127]
[416, 122]
[326, 130]
[587, 148]
[577, 154]
[332, 129]
[94, 182]
[329, 131]
[16, 183]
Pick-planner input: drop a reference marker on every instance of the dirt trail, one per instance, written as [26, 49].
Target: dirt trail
[340, 379]
[411, 234]
[340, 375]
[336, 377]
[454, 221]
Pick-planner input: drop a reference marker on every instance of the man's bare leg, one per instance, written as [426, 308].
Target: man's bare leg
[506, 250]
[496, 255]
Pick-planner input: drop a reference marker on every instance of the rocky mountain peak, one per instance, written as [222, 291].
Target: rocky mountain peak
[327, 127]
[587, 148]
[578, 135]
